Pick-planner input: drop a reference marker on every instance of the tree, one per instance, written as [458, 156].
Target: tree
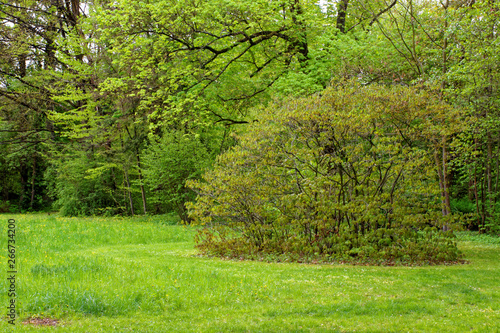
[28, 31]
[175, 67]
[472, 81]
[204, 60]
[169, 163]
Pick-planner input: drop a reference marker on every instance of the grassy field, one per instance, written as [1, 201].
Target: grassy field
[143, 275]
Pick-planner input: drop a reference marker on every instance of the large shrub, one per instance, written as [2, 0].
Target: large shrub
[348, 176]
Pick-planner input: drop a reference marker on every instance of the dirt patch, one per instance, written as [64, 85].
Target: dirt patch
[41, 321]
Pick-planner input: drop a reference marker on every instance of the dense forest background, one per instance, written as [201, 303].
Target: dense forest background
[109, 107]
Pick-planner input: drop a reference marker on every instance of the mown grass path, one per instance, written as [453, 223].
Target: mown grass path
[143, 275]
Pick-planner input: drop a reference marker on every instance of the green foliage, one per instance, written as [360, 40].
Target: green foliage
[169, 163]
[22, 162]
[483, 239]
[347, 176]
[467, 210]
[98, 79]
[473, 82]
[85, 185]
[463, 206]
[188, 62]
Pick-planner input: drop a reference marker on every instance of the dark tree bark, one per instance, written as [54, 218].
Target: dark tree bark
[143, 192]
[342, 14]
[33, 176]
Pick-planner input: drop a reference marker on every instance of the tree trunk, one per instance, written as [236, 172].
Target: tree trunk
[440, 178]
[441, 182]
[143, 193]
[342, 14]
[128, 190]
[476, 192]
[22, 65]
[445, 55]
[497, 172]
[446, 178]
[33, 176]
[300, 43]
[23, 186]
[489, 177]
[483, 203]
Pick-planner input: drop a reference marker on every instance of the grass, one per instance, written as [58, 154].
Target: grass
[143, 275]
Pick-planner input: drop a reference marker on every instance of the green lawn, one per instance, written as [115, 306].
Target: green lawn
[143, 275]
